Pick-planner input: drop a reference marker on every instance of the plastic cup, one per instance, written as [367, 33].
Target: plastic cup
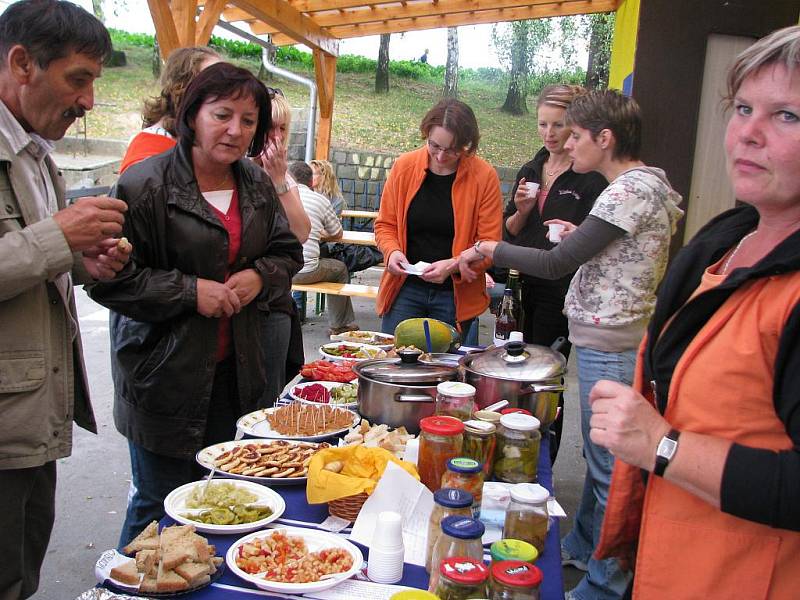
[388, 532]
[554, 233]
[532, 189]
[385, 564]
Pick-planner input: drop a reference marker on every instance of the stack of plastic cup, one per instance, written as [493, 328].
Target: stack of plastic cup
[386, 552]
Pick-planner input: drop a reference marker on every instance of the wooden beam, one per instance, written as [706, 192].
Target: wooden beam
[232, 14]
[183, 13]
[166, 32]
[208, 19]
[325, 71]
[284, 18]
[308, 6]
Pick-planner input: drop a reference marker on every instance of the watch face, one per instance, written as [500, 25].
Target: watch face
[666, 448]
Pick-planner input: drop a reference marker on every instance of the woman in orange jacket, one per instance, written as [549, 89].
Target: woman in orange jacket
[438, 201]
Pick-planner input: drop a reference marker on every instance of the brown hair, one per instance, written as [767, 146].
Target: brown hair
[458, 119]
[781, 46]
[181, 67]
[559, 95]
[608, 109]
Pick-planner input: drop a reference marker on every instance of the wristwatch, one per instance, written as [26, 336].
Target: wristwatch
[665, 451]
[282, 188]
[477, 248]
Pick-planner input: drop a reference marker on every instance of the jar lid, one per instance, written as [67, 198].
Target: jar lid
[529, 493]
[509, 549]
[463, 528]
[516, 573]
[453, 498]
[517, 361]
[520, 422]
[464, 570]
[405, 370]
[441, 425]
[456, 388]
[413, 595]
[462, 464]
[487, 415]
[479, 427]
[511, 411]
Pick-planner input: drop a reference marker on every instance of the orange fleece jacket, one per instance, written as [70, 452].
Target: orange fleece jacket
[477, 212]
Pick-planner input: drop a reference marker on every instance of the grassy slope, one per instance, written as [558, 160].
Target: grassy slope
[361, 119]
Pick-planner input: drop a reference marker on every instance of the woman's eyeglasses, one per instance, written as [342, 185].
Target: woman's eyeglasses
[274, 92]
[436, 148]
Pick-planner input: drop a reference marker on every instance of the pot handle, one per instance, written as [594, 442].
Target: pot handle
[413, 398]
[535, 389]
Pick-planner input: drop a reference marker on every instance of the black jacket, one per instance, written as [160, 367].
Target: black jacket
[163, 350]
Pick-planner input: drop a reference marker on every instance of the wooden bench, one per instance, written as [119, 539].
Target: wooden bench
[337, 289]
[360, 214]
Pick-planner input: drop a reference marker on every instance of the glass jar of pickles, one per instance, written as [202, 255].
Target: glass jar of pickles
[515, 580]
[461, 536]
[508, 549]
[440, 439]
[526, 517]
[479, 443]
[455, 399]
[517, 455]
[465, 474]
[447, 502]
[461, 578]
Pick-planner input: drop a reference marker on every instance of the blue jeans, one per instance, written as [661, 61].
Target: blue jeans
[604, 580]
[417, 300]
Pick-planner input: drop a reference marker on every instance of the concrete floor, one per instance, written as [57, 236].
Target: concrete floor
[93, 482]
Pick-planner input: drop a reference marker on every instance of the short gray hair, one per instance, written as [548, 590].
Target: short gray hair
[779, 47]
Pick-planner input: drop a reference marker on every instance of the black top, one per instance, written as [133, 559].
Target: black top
[570, 198]
[431, 225]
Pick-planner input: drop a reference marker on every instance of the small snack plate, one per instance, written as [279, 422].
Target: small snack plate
[315, 541]
[255, 424]
[359, 336]
[175, 506]
[371, 351]
[328, 385]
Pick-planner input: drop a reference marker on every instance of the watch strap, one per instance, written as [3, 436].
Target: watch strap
[664, 457]
[282, 189]
[477, 247]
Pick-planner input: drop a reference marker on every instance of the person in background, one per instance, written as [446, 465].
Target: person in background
[564, 195]
[424, 58]
[158, 117]
[707, 479]
[438, 201]
[51, 52]
[325, 226]
[209, 237]
[620, 252]
[325, 183]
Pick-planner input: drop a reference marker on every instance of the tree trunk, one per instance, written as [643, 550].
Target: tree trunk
[518, 77]
[451, 69]
[382, 70]
[599, 52]
[156, 59]
[97, 9]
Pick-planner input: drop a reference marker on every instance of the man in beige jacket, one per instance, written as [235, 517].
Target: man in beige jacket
[51, 51]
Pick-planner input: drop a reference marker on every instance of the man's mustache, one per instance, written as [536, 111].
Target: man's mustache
[76, 112]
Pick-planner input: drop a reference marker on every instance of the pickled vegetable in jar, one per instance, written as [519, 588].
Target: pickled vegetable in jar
[455, 399]
[461, 578]
[461, 536]
[510, 549]
[465, 474]
[480, 442]
[527, 518]
[447, 502]
[517, 455]
[440, 439]
[515, 580]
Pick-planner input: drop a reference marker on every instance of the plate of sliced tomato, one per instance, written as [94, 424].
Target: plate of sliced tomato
[325, 370]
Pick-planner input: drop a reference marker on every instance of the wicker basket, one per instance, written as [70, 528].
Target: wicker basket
[347, 507]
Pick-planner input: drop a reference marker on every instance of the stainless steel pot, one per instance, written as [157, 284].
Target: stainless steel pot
[528, 376]
[400, 391]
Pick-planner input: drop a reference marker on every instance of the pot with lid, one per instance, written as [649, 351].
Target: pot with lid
[527, 375]
[400, 391]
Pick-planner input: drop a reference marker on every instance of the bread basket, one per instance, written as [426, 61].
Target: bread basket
[348, 507]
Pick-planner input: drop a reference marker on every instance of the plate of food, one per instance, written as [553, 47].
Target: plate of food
[378, 436]
[297, 421]
[325, 370]
[337, 351]
[161, 565]
[273, 462]
[225, 506]
[344, 395]
[293, 560]
[374, 338]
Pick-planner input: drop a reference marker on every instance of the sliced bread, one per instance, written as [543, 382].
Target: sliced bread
[127, 573]
[148, 539]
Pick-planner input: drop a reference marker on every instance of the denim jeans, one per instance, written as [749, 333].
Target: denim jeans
[275, 338]
[418, 300]
[604, 580]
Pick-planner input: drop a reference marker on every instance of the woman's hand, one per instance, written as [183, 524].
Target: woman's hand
[215, 299]
[468, 257]
[523, 203]
[246, 285]
[439, 271]
[274, 161]
[568, 227]
[395, 263]
[626, 423]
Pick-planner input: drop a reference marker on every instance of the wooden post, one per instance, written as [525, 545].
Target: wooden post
[166, 32]
[183, 12]
[205, 25]
[325, 71]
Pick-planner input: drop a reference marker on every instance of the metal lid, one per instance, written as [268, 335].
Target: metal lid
[456, 389]
[510, 549]
[453, 498]
[529, 493]
[517, 573]
[480, 427]
[520, 422]
[517, 361]
[406, 369]
[462, 464]
[462, 528]
[464, 570]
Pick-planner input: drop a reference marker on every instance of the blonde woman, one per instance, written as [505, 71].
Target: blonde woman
[325, 183]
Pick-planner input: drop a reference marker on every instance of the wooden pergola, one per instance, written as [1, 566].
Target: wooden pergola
[320, 24]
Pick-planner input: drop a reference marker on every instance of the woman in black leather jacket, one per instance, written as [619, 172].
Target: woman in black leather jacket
[211, 244]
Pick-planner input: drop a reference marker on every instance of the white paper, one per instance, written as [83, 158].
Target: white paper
[416, 269]
[398, 491]
[334, 524]
[107, 561]
[354, 589]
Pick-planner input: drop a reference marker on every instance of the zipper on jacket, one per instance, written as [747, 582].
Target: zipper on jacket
[655, 391]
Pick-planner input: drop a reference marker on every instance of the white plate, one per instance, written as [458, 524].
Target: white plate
[207, 456]
[328, 385]
[377, 350]
[361, 336]
[255, 424]
[175, 506]
[315, 540]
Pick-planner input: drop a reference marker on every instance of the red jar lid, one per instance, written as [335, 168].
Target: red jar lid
[516, 573]
[508, 411]
[441, 425]
[464, 570]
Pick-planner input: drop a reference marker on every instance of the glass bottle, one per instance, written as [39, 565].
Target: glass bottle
[505, 322]
[461, 536]
[514, 283]
[480, 442]
[516, 459]
[455, 399]
[440, 439]
[461, 578]
[514, 580]
[527, 518]
[447, 502]
[466, 474]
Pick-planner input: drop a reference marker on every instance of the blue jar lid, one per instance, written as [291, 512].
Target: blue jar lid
[462, 528]
[453, 498]
[463, 464]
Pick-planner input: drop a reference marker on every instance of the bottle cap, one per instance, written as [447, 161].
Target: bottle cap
[464, 465]
[517, 573]
[455, 388]
[441, 425]
[463, 528]
[515, 336]
[520, 422]
[529, 493]
[464, 570]
[509, 549]
[452, 498]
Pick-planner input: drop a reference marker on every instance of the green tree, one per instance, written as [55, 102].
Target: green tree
[601, 33]
[517, 45]
[382, 68]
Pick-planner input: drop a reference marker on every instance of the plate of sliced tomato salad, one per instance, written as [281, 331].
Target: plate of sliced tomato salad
[324, 370]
